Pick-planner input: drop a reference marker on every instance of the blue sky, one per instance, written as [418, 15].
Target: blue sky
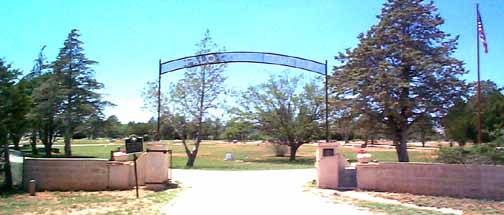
[128, 38]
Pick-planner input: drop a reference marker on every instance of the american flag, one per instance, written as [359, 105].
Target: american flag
[482, 32]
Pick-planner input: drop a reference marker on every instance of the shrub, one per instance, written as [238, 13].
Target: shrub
[486, 153]
[279, 149]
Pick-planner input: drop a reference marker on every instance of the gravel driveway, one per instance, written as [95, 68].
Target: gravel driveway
[250, 192]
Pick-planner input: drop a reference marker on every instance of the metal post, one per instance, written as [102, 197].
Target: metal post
[136, 174]
[326, 106]
[170, 169]
[479, 86]
[158, 133]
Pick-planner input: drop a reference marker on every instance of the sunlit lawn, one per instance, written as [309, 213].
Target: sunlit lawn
[260, 156]
[246, 156]
[81, 202]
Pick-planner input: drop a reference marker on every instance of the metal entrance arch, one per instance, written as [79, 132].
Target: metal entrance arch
[243, 57]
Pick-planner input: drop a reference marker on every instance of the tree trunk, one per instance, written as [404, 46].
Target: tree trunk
[7, 169]
[33, 142]
[366, 138]
[46, 140]
[293, 150]
[402, 147]
[422, 138]
[68, 140]
[346, 136]
[15, 140]
[190, 160]
[191, 155]
[48, 151]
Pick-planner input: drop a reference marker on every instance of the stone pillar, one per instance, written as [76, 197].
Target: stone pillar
[327, 164]
[157, 165]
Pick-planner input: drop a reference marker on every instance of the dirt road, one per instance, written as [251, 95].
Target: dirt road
[250, 192]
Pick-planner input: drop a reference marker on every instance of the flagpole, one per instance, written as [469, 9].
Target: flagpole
[478, 69]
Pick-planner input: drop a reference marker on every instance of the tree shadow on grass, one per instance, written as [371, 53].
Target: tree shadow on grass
[162, 187]
[6, 193]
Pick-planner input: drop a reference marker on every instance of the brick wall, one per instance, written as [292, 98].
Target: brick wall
[474, 181]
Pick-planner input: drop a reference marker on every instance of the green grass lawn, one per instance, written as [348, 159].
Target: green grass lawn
[98, 202]
[85, 141]
[78, 152]
[253, 156]
[246, 156]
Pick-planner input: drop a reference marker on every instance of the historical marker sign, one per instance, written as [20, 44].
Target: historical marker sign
[134, 144]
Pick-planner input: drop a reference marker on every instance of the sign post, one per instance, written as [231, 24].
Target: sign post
[136, 174]
[134, 145]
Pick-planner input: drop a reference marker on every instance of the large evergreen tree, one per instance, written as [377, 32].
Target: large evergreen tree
[402, 69]
[8, 77]
[14, 105]
[47, 99]
[34, 80]
[78, 86]
[46, 96]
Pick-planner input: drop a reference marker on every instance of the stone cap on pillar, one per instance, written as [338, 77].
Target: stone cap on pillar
[326, 150]
[157, 146]
[329, 144]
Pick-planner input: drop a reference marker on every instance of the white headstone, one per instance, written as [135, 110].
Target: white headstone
[228, 156]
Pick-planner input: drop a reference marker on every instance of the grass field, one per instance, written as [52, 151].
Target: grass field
[101, 202]
[246, 156]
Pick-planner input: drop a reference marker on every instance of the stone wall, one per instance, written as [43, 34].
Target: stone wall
[95, 174]
[67, 174]
[474, 181]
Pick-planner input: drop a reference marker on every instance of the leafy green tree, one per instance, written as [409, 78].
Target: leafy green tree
[150, 95]
[140, 129]
[401, 69]
[18, 123]
[8, 78]
[167, 130]
[196, 93]
[488, 153]
[423, 129]
[238, 129]
[492, 117]
[33, 80]
[212, 128]
[47, 99]
[112, 127]
[460, 122]
[368, 128]
[15, 106]
[93, 126]
[78, 86]
[344, 119]
[285, 110]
